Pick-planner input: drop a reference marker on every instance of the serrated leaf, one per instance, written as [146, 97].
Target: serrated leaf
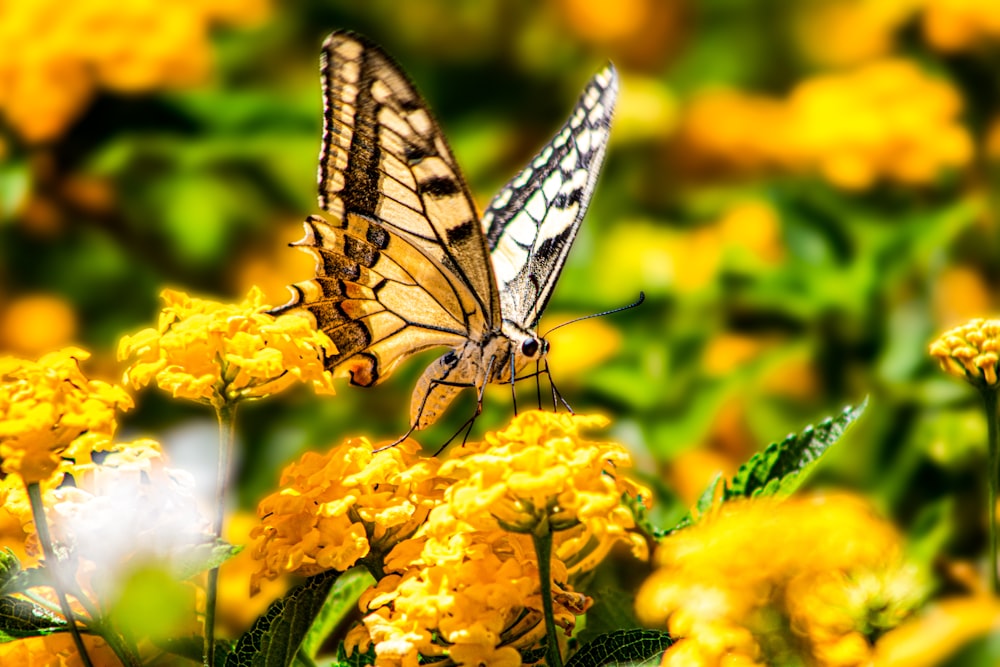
[780, 469]
[275, 637]
[623, 647]
[358, 659]
[10, 569]
[21, 618]
[340, 602]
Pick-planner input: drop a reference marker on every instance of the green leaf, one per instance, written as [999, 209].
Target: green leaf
[275, 638]
[359, 659]
[623, 647]
[779, 469]
[15, 186]
[340, 602]
[21, 618]
[204, 557]
[10, 569]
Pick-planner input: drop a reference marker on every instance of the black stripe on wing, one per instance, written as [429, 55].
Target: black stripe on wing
[376, 296]
[531, 224]
[385, 158]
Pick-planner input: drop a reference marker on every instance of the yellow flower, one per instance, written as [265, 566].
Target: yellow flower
[540, 472]
[336, 508]
[237, 609]
[938, 632]
[220, 353]
[955, 25]
[127, 510]
[49, 72]
[769, 582]
[46, 405]
[55, 650]
[884, 120]
[34, 324]
[971, 352]
[473, 598]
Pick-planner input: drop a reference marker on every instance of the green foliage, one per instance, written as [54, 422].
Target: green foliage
[623, 647]
[295, 626]
[21, 618]
[779, 469]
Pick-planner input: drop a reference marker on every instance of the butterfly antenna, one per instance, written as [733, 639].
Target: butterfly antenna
[638, 302]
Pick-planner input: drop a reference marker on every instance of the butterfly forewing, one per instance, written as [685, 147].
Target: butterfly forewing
[530, 225]
[385, 158]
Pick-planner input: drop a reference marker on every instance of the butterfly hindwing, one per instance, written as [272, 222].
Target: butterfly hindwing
[369, 296]
[530, 225]
[385, 158]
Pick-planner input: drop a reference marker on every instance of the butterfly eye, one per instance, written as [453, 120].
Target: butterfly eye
[529, 347]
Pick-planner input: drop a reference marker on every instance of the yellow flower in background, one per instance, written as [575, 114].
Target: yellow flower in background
[970, 352]
[55, 650]
[955, 25]
[765, 582]
[58, 54]
[885, 120]
[336, 508]
[218, 353]
[31, 325]
[960, 293]
[846, 32]
[127, 511]
[46, 405]
[938, 632]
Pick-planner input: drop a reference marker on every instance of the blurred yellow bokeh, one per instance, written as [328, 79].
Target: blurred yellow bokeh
[34, 324]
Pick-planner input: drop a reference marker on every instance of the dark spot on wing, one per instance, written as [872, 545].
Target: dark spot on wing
[439, 187]
[378, 236]
[564, 200]
[361, 252]
[414, 154]
[460, 233]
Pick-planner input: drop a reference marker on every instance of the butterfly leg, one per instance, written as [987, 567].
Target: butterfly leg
[556, 394]
[513, 391]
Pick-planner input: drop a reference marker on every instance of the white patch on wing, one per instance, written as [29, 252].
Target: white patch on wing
[535, 207]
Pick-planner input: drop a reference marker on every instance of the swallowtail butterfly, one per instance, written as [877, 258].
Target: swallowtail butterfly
[405, 263]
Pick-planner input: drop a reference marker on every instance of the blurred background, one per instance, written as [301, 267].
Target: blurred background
[804, 191]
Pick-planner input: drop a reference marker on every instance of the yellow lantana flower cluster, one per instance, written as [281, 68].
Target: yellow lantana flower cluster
[884, 120]
[46, 405]
[57, 54]
[336, 508]
[767, 582]
[451, 542]
[219, 354]
[971, 352]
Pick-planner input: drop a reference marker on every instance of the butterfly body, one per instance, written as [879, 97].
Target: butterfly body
[404, 262]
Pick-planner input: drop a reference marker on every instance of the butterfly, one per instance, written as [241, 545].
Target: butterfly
[405, 264]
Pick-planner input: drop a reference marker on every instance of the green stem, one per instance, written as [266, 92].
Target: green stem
[42, 526]
[993, 433]
[542, 537]
[227, 436]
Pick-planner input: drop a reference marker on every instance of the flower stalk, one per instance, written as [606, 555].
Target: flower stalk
[42, 526]
[542, 538]
[990, 401]
[226, 413]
